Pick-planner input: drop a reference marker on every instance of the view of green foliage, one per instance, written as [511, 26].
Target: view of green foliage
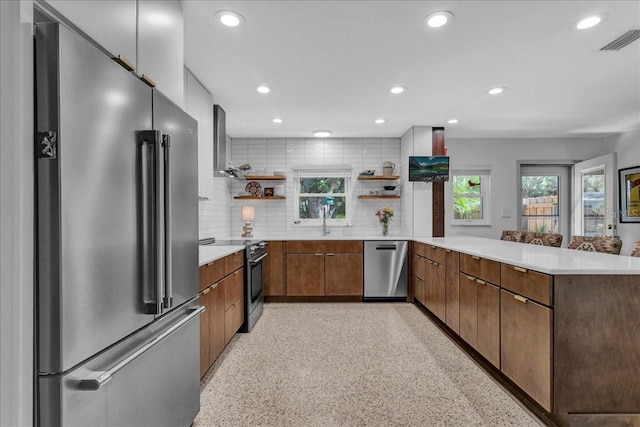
[316, 206]
[539, 186]
[466, 207]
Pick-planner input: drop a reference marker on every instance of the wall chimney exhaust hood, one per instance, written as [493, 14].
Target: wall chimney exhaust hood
[221, 166]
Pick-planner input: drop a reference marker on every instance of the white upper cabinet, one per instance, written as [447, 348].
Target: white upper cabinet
[161, 46]
[112, 24]
[199, 104]
[149, 34]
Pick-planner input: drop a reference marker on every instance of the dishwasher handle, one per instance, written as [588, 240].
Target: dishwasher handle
[386, 248]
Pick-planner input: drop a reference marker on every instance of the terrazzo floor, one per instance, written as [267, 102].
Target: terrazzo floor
[350, 364]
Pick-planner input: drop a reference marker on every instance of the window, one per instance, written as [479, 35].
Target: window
[322, 194]
[471, 197]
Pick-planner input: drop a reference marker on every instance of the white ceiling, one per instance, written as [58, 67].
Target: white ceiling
[331, 65]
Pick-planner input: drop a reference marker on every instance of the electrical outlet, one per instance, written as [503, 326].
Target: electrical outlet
[506, 213]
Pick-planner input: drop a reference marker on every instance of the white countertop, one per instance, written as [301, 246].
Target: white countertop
[330, 237]
[212, 253]
[545, 259]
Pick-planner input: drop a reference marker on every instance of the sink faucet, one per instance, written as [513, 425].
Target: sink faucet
[325, 229]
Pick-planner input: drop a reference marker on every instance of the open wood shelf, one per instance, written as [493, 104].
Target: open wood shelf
[259, 197]
[265, 177]
[378, 177]
[378, 197]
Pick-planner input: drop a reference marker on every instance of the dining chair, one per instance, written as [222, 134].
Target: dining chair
[610, 245]
[512, 236]
[543, 239]
[636, 249]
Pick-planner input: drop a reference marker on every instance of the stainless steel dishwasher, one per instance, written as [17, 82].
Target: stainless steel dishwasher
[385, 270]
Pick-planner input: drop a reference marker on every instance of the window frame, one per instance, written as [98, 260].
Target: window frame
[339, 171]
[485, 195]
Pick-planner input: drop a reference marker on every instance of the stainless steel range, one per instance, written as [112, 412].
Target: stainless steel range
[255, 253]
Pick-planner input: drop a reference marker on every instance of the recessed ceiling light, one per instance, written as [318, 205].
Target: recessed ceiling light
[277, 120]
[229, 18]
[321, 133]
[496, 90]
[452, 121]
[589, 21]
[439, 19]
[379, 121]
[398, 89]
[263, 89]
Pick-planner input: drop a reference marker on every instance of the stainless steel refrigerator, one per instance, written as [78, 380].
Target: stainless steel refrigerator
[117, 313]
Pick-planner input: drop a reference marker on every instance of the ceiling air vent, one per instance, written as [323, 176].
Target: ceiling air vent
[622, 41]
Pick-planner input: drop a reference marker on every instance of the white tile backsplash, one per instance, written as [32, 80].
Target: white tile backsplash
[220, 217]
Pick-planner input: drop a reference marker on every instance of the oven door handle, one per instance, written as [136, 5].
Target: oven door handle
[256, 261]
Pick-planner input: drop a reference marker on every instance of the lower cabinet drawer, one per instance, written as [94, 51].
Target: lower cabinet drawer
[528, 283]
[480, 268]
[233, 319]
[233, 288]
[526, 350]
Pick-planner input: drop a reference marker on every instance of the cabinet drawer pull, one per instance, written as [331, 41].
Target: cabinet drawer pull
[432, 247]
[475, 257]
[521, 299]
[482, 282]
[471, 278]
[206, 291]
[448, 250]
[331, 254]
[235, 273]
[319, 254]
[435, 263]
[520, 269]
[124, 62]
[214, 286]
[148, 81]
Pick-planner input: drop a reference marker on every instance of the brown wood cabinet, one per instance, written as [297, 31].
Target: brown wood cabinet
[204, 331]
[526, 349]
[481, 268]
[489, 321]
[305, 274]
[216, 322]
[452, 292]
[419, 291]
[468, 310]
[273, 273]
[435, 288]
[480, 316]
[324, 268]
[343, 274]
[528, 283]
[223, 298]
[211, 273]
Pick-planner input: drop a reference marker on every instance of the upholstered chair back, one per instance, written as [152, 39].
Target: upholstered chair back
[512, 236]
[610, 245]
[544, 239]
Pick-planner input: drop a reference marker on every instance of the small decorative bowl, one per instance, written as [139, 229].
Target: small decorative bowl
[368, 172]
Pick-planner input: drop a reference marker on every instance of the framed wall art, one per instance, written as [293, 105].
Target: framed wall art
[629, 181]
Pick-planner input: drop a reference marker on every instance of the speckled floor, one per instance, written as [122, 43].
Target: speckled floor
[350, 364]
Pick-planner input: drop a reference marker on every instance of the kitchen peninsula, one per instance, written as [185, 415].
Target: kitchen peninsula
[561, 324]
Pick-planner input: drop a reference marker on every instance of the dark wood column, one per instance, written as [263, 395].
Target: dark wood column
[438, 149]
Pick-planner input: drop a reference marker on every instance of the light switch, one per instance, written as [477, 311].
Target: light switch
[506, 213]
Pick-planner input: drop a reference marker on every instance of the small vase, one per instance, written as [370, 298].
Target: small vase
[385, 228]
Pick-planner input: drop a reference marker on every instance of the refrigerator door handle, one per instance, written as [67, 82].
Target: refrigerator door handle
[151, 198]
[96, 379]
[168, 284]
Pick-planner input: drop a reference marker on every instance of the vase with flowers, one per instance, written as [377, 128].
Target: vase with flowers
[384, 214]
